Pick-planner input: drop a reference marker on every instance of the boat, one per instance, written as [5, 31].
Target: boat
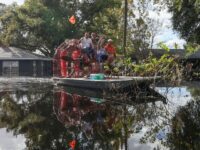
[119, 82]
[72, 66]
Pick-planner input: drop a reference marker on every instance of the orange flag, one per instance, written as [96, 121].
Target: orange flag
[72, 19]
[72, 144]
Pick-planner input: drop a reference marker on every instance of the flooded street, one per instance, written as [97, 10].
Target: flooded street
[43, 116]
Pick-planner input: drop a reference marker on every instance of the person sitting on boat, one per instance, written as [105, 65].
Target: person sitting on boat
[87, 45]
[111, 51]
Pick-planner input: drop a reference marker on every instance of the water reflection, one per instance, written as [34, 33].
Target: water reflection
[48, 117]
[101, 123]
[94, 125]
[185, 127]
[29, 112]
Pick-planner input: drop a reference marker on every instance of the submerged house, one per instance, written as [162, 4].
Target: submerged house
[15, 62]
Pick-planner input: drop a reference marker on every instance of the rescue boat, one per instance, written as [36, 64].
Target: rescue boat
[69, 62]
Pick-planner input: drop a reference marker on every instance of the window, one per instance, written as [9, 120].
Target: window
[10, 68]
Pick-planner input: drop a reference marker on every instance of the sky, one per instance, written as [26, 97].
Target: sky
[11, 142]
[8, 2]
[166, 35]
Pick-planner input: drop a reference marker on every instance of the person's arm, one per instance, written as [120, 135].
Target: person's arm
[91, 44]
[106, 48]
[81, 43]
[98, 44]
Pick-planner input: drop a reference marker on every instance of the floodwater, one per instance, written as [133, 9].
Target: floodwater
[41, 116]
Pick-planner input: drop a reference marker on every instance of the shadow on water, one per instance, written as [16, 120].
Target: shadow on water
[61, 117]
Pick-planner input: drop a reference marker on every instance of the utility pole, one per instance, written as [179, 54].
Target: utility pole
[125, 26]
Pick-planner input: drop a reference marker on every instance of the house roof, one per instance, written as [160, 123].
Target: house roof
[195, 55]
[13, 53]
[180, 53]
[159, 52]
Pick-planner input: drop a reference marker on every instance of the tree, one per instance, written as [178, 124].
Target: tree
[154, 29]
[142, 28]
[2, 7]
[43, 25]
[186, 19]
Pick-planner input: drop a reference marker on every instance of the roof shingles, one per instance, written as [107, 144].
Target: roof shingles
[13, 53]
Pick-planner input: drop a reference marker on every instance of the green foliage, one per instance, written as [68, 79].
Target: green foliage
[107, 21]
[2, 8]
[164, 46]
[43, 25]
[191, 48]
[167, 66]
[186, 19]
[139, 35]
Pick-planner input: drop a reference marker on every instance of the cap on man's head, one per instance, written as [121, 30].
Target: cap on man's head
[110, 40]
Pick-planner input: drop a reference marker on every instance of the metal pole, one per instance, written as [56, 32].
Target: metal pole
[125, 26]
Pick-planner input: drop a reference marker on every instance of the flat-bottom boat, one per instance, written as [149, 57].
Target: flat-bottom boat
[118, 82]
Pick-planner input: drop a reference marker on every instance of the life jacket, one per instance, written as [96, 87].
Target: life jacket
[76, 54]
[63, 63]
[110, 49]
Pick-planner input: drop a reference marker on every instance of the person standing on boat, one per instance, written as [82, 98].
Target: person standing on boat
[111, 51]
[94, 39]
[101, 52]
[74, 53]
[63, 61]
[87, 45]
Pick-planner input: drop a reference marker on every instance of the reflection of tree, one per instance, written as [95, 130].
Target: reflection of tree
[185, 133]
[194, 91]
[107, 124]
[33, 118]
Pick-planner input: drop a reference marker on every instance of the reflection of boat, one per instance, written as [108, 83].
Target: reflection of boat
[130, 95]
[71, 108]
[114, 83]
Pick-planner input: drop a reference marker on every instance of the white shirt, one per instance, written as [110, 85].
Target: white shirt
[86, 42]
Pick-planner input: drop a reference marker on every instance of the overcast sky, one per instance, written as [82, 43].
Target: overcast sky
[11, 1]
[166, 35]
[11, 142]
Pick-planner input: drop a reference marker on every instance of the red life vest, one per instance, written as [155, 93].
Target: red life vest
[63, 63]
[76, 54]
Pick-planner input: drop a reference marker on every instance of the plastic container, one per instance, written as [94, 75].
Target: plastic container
[98, 76]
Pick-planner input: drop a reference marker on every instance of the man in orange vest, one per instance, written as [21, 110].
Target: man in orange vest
[111, 51]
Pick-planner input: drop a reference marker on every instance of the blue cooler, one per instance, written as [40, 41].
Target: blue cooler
[98, 76]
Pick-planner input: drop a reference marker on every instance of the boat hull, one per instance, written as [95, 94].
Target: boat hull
[114, 83]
